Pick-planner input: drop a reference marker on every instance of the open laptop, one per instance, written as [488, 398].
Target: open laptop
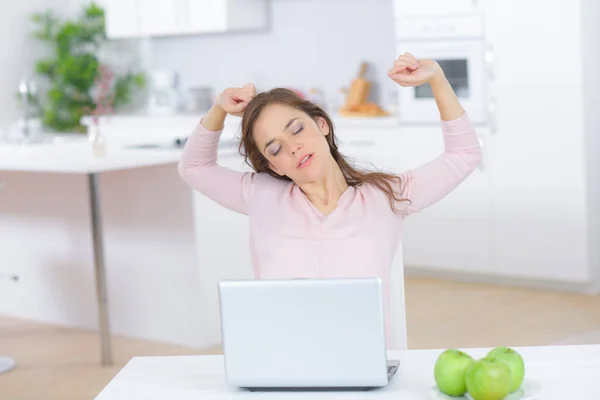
[305, 334]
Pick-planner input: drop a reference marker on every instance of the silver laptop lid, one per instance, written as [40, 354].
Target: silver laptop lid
[304, 332]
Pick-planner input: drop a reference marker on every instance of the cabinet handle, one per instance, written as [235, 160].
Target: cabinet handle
[481, 166]
[492, 114]
[489, 61]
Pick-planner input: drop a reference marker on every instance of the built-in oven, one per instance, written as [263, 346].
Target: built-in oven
[457, 44]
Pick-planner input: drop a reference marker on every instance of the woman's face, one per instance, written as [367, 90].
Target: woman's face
[294, 144]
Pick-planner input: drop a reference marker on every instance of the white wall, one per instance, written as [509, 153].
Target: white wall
[19, 51]
[310, 43]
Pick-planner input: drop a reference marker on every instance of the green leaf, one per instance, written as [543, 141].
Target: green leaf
[140, 80]
[94, 11]
[73, 68]
[45, 67]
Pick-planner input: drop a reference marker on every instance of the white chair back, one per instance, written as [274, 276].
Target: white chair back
[399, 337]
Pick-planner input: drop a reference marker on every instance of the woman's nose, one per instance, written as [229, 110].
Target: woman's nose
[296, 147]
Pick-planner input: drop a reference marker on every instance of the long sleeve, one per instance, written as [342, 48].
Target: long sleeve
[198, 167]
[431, 182]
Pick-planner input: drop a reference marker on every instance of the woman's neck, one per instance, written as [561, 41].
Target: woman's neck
[325, 192]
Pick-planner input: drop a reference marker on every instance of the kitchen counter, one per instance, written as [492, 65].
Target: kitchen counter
[133, 120]
[74, 154]
[78, 158]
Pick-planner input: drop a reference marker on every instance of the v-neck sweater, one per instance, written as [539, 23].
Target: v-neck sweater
[290, 238]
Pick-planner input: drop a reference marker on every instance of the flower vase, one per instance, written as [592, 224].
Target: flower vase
[97, 140]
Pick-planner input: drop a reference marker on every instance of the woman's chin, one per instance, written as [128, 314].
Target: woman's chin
[309, 175]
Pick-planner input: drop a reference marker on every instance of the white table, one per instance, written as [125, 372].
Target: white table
[76, 157]
[558, 372]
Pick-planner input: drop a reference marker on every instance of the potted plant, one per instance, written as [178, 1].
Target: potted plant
[73, 72]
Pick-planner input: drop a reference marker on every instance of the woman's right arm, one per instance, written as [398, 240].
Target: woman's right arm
[198, 165]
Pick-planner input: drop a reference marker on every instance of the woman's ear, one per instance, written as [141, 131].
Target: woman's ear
[323, 126]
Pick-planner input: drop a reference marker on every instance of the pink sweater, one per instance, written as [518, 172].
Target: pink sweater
[290, 238]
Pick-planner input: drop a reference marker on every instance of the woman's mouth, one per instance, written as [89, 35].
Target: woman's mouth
[305, 161]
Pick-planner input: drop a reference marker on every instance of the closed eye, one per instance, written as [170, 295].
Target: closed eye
[274, 153]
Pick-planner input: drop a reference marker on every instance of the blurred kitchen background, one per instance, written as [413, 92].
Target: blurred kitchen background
[98, 98]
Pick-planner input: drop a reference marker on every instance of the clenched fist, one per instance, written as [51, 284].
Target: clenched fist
[235, 100]
[408, 71]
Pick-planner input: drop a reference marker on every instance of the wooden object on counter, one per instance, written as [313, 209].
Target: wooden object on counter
[359, 89]
[357, 104]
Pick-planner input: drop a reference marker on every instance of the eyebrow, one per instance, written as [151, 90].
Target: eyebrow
[286, 126]
[289, 123]
[268, 143]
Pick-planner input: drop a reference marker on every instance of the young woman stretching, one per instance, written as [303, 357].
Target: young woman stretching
[311, 213]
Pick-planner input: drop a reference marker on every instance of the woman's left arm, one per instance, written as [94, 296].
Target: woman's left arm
[429, 183]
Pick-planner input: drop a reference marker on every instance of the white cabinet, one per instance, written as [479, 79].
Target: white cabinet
[535, 43]
[406, 8]
[536, 156]
[174, 17]
[537, 167]
[121, 18]
[164, 17]
[523, 214]
[138, 18]
[208, 15]
[527, 213]
[358, 148]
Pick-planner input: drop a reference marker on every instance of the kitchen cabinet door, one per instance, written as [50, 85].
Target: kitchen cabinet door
[121, 18]
[177, 17]
[358, 147]
[408, 8]
[536, 160]
[165, 17]
[534, 44]
[132, 18]
[454, 234]
[207, 16]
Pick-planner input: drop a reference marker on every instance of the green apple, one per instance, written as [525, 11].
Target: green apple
[488, 379]
[514, 361]
[449, 372]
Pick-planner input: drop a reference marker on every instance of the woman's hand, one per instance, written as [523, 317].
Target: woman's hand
[231, 101]
[235, 100]
[408, 71]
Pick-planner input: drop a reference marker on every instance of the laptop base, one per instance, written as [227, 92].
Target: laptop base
[311, 389]
[392, 369]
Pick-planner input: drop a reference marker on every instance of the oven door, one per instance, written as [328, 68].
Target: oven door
[463, 63]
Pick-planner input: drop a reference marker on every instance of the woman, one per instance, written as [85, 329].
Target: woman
[311, 213]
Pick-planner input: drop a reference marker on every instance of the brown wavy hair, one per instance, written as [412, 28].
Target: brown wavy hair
[254, 158]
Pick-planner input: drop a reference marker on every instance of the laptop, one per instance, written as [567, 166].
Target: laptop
[304, 334]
